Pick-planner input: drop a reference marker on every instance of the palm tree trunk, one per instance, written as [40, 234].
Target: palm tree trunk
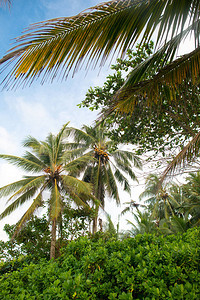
[53, 239]
[94, 225]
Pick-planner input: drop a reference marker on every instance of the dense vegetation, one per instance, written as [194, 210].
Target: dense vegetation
[144, 267]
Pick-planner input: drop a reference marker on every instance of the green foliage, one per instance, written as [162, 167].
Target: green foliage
[157, 127]
[33, 240]
[145, 267]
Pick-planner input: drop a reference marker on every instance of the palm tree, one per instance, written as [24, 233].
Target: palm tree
[144, 223]
[49, 160]
[101, 165]
[191, 191]
[160, 202]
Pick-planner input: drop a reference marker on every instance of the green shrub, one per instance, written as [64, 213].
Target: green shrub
[145, 267]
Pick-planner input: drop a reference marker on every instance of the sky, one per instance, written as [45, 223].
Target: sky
[41, 109]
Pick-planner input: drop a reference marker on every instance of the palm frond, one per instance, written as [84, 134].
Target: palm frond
[122, 180]
[81, 136]
[112, 187]
[70, 155]
[77, 165]
[37, 202]
[35, 182]
[29, 156]
[13, 187]
[57, 46]
[23, 163]
[19, 201]
[125, 168]
[187, 154]
[55, 202]
[59, 139]
[77, 185]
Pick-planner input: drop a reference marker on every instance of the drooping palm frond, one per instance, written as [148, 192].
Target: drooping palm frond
[77, 185]
[34, 182]
[55, 202]
[165, 83]
[111, 185]
[187, 154]
[38, 201]
[27, 195]
[57, 46]
[126, 168]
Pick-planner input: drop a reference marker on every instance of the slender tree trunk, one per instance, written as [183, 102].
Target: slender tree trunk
[53, 239]
[94, 225]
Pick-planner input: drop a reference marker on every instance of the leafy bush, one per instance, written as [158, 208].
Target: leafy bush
[145, 267]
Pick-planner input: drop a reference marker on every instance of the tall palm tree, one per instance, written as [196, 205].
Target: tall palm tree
[101, 165]
[49, 159]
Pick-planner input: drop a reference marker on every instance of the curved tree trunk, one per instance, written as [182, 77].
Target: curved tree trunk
[53, 239]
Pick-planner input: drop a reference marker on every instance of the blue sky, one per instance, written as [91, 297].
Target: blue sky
[38, 110]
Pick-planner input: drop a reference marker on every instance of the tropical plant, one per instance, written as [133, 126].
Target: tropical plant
[49, 159]
[143, 223]
[59, 45]
[104, 166]
[160, 202]
[191, 191]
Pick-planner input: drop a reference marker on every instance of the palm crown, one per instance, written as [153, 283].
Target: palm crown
[48, 159]
[100, 164]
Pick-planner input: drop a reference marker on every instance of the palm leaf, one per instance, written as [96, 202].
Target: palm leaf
[15, 186]
[34, 182]
[187, 154]
[56, 46]
[36, 204]
[19, 201]
[78, 185]
[165, 83]
[24, 163]
[55, 202]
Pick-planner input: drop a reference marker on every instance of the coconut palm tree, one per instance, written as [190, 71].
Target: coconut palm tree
[102, 166]
[49, 160]
[160, 202]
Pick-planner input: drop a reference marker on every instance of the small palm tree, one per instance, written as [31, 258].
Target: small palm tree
[191, 191]
[143, 223]
[49, 160]
[103, 166]
[159, 200]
